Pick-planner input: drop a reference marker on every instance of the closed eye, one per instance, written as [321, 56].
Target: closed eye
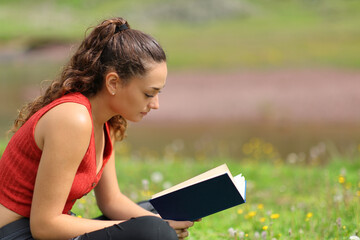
[150, 96]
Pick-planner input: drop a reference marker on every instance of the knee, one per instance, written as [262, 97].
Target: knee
[154, 228]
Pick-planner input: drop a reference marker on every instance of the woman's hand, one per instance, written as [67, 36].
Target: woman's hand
[181, 227]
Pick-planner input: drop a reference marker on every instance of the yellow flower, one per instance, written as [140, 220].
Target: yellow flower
[309, 215]
[274, 216]
[240, 211]
[341, 179]
[265, 228]
[251, 214]
[260, 206]
[262, 219]
[146, 193]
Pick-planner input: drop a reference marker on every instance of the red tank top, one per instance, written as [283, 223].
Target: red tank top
[20, 161]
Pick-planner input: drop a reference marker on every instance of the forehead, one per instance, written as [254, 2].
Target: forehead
[155, 76]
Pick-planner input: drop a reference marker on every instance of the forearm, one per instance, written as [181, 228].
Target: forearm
[121, 207]
[66, 227]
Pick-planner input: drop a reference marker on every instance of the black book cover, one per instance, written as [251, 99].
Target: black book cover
[198, 200]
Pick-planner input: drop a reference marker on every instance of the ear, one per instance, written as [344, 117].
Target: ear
[112, 82]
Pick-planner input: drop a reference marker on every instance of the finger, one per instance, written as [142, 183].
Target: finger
[180, 224]
[183, 234]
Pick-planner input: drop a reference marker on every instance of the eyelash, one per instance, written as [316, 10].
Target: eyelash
[151, 96]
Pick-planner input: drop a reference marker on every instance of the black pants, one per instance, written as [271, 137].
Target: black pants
[141, 228]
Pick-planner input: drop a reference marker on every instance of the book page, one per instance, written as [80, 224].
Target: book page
[202, 177]
[240, 184]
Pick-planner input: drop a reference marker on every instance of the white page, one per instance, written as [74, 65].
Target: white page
[202, 177]
[240, 184]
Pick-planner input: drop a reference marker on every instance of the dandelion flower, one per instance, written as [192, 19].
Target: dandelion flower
[274, 216]
[260, 206]
[146, 193]
[167, 185]
[252, 214]
[354, 238]
[341, 179]
[240, 211]
[241, 234]
[265, 228]
[157, 177]
[145, 184]
[232, 232]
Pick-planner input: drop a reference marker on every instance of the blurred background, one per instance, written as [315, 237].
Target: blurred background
[282, 77]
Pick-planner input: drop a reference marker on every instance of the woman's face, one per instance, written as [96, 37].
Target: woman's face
[138, 97]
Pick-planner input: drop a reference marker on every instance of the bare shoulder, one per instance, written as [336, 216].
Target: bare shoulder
[70, 121]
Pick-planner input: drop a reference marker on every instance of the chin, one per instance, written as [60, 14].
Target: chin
[134, 120]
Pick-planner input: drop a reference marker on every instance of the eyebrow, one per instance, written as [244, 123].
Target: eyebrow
[157, 89]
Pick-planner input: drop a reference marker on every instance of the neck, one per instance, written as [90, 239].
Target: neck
[100, 112]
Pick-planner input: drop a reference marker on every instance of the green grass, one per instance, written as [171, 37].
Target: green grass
[290, 201]
[319, 199]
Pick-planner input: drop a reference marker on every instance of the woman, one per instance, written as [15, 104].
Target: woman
[62, 146]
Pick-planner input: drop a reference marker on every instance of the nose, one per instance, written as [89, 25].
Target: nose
[154, 104]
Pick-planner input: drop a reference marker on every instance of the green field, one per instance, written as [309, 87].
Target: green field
[285, 199]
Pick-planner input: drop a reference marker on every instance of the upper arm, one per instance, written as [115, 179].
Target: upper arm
[64, 133]
[108, 188]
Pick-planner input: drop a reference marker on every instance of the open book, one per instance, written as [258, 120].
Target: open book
[203, 195]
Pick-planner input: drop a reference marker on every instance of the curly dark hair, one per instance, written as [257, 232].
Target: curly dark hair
[109, 46]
